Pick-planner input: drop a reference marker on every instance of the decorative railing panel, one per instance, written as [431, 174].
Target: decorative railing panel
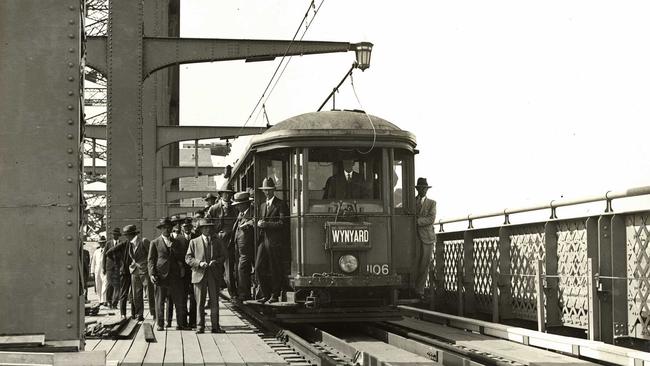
[452, 261]
[486, 254]
[638, 274]
[527, 246]
[572, 272]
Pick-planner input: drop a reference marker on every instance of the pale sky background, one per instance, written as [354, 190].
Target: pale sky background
[513, 102]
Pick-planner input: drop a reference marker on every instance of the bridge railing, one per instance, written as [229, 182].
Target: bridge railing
[590, 273]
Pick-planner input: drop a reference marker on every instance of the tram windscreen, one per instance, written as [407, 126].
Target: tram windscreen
[344, 174]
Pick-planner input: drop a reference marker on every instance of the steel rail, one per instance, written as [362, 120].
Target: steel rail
[573, 346]
[553, 204]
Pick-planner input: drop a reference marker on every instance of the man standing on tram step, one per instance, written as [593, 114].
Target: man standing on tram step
[97, 269]
[243, 241]
[184, 239]
[137, 251]
[272, 225]
[425, 210]
[112, 271]
[224, 216]
[206, 258]
[165, 263]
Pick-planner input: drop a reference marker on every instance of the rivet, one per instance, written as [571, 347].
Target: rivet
[70, 121]
[69, 325]
[69, 237]
[604, 235]
[70, 136]
[69, 266]
[69, 209]
[69, 252]
[70, 151]
[604, 227]
[71, 7]
[71, 21]
[68, 296]
[68, 310]
[69, 282]
[69, 194]
[69, 180]
[70, 78]
[70, 165]
[70, 93]
[71, 50]
[69, 223]
[70, 107]
[71, 36]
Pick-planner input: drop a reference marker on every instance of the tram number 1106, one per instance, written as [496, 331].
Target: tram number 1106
[377, 269]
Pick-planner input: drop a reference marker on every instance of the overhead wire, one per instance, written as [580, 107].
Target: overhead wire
[374, 131]
[311, 5]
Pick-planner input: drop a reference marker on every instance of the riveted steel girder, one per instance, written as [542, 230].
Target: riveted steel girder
[170, 172]
[95, 132]
[170, 134]
[96, 53]
[160, 52]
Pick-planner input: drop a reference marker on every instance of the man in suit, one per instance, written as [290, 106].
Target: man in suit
[273, 240]
[112, 271]
[122, 261]
[165, 261]
[224, 215]
[243, 242]
[425, 210]
[137, 251]
[184, 239]
[97, 269]
[206, 258]
[349, 185]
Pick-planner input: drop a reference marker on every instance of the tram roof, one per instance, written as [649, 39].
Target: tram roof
[334, 126]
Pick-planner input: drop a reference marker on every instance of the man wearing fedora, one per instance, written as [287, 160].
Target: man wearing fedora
[243, 242]
[224, 215]
[112, 269]
[165, 263]
[97, 269]
[184, 238]
[273, 224]
[137, 251]
[425, 209]
[122, 261]
[210, 199]
[206, 256]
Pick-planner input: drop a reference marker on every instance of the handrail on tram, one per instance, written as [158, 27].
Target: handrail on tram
[553, 204]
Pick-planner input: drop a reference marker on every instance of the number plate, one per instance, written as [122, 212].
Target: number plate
[378, 269]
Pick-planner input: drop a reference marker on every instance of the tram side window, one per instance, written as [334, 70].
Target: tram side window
[398, 182]
[275, 169]
[341, 174]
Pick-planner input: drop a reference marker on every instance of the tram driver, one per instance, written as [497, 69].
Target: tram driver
[348, 184]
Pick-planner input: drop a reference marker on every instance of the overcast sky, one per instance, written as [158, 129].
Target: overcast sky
[513, 102]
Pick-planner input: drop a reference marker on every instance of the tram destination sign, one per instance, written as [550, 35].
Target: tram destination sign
[347, 235]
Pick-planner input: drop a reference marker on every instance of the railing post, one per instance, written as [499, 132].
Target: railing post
[551, 286]
[539, 288]
[504, 281]
[438, 301]
[459, 287]
[468, 275]
[604, 286]
[592, 282]
[619, 270]
[494, 273]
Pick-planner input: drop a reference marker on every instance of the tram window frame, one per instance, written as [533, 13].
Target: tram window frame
[278, 159]
[402, 181]
[370, 166]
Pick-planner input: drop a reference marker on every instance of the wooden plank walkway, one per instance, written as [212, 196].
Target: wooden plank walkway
[238, 346]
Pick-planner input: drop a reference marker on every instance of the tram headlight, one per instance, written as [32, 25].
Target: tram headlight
[348, 263]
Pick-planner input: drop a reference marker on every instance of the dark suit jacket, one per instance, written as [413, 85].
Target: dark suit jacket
[139, 262]
[199, 251]
[277, 222]
[244, 236]
[111, 264]
[120, 255]
[164, 261]
[337, 187]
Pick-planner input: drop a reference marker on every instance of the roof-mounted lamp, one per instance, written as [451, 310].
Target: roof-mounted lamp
[363, 51]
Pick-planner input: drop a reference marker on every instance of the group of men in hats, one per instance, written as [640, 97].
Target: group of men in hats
[192, 259]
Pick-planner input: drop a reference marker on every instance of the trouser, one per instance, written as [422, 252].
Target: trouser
[209, 285]
[140, 283]
[244, 268]
[170, 288]
[422, 266]
[112, 288]
[269, 258]
[188, 293]
[100, 287]
[125, 294]
[231, 271]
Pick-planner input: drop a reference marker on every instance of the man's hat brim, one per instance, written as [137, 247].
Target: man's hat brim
[422, 185]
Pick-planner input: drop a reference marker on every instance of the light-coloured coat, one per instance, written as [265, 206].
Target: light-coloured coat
[426, 215]
[199, 251]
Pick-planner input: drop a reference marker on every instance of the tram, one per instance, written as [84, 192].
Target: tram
[351, 244]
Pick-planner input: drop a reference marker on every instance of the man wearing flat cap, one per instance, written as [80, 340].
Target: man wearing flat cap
[243, 240]
[272, 225]
[165, 260]
[425, 209]
[206, 256]
[224, 216]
